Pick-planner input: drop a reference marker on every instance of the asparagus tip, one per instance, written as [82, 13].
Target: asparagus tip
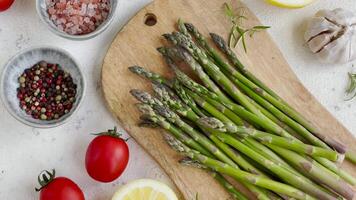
[136, 69]
[169, 37]
[218, 40]
[160, 90]
[164, 111]
[174, 143]
[140, 95]
[162, 50]
[147, 121]
[211, 122]
[192, 163]
[145, 109]
[189, 26]
[180, 21]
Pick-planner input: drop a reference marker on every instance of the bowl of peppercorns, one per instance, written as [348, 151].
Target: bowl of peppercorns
[42, 87]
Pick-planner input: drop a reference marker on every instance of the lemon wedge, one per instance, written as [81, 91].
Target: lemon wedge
[145, 189]
[290, 3]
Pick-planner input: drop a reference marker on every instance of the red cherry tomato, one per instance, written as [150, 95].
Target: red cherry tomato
[5, 4]
[59, 188]
[107, 156]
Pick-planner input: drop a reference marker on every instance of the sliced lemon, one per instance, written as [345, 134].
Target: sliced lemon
[290, 3]
[145, 189]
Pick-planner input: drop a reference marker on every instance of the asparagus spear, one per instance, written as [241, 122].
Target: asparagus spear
[270, 126]
[156, 78]
[211, 123]
[197, 68]
[225, 183]
[236, 194]
[277, 121]
[219, 41]
[149, 75]
[173, 118]
[238, 174]
[267, 138]
[275, 129]
[315, 170]
[242, 112]
[218, 76]
[177, 133]
[221, 145]
[280, 171]
[187, 99]
[231, 119]
[238, 76]
[157, 119]
[226, 81]
[208, 122]
[172, 101]
[261, 90]
[284, 118]
[225, 148]
[330, 165]
[246, 115]
[158, 106]
[337, 170]
[214, 71]
[351, 156]
[314, 140]
[269, 154]
[231, 153]
[185, 80]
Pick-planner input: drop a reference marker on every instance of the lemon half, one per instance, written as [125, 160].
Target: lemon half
[290, 3]
[145, 189]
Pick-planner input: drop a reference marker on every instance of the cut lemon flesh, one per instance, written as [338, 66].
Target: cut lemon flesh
[290, 3]
[145, 189]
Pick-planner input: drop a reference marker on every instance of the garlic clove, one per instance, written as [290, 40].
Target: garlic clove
[318, 26]
[339, 16]
[331, 35]
[337, 51]
[319, 41]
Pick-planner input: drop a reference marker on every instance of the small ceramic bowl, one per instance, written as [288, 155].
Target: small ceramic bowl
[26, 59]
[42, 13]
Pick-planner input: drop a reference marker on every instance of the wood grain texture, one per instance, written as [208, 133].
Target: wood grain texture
[136, 45]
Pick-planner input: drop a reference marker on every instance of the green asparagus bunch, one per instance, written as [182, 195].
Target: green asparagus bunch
[231, 124]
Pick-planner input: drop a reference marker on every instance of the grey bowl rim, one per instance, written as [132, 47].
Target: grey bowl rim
[93, 34]
[37, 125]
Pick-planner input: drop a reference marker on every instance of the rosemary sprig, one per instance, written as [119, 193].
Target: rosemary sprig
[238, 32]
[351, 89]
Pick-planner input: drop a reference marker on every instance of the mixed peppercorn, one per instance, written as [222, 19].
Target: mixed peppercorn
[46, 91]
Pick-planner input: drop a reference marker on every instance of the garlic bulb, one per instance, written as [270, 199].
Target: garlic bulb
[331, 35]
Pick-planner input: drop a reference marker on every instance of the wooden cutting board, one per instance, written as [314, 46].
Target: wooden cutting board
[136, 45]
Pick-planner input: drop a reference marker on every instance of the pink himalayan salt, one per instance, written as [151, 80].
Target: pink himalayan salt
[78, 17]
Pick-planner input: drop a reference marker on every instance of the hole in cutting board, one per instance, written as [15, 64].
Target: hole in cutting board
[150, 19]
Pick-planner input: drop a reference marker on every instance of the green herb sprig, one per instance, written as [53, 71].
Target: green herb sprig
[351, 89]
[238, 32]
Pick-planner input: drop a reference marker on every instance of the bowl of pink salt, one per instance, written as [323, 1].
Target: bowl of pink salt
[76, 19]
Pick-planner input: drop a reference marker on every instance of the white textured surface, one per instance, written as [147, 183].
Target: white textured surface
[25, 151]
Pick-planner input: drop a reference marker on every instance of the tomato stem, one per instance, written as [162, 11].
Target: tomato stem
[111, 132]
[44, 178]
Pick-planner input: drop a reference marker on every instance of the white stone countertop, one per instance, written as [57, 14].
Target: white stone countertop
[25, 151]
